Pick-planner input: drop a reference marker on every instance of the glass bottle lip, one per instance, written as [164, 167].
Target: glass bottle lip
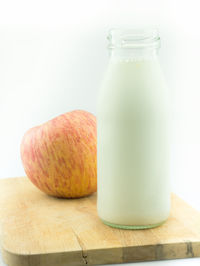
[133, 38]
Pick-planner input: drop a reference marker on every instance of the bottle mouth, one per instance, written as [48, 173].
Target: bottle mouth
[133, 38]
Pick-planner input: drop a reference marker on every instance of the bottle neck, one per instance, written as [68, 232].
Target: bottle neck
[134, 54]
[133, 44]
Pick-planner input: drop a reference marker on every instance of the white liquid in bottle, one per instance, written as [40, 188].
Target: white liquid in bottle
[133, 140]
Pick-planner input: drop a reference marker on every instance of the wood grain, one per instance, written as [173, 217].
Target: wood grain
[39, 230]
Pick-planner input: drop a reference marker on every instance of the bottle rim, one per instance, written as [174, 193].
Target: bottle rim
[133, 38]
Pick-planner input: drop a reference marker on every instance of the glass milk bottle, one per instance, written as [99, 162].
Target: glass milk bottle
[133, 189]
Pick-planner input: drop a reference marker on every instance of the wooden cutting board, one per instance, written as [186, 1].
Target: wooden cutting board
[39, 230]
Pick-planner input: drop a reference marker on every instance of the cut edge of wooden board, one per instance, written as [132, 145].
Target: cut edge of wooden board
[168, 251]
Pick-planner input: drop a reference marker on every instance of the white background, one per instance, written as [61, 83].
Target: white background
[53, 56]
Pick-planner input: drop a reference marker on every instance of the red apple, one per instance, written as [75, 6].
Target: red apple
[60, 156]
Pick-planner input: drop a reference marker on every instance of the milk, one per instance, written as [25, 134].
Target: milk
[133, 144]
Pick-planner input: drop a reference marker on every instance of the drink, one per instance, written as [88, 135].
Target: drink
[133, 142]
